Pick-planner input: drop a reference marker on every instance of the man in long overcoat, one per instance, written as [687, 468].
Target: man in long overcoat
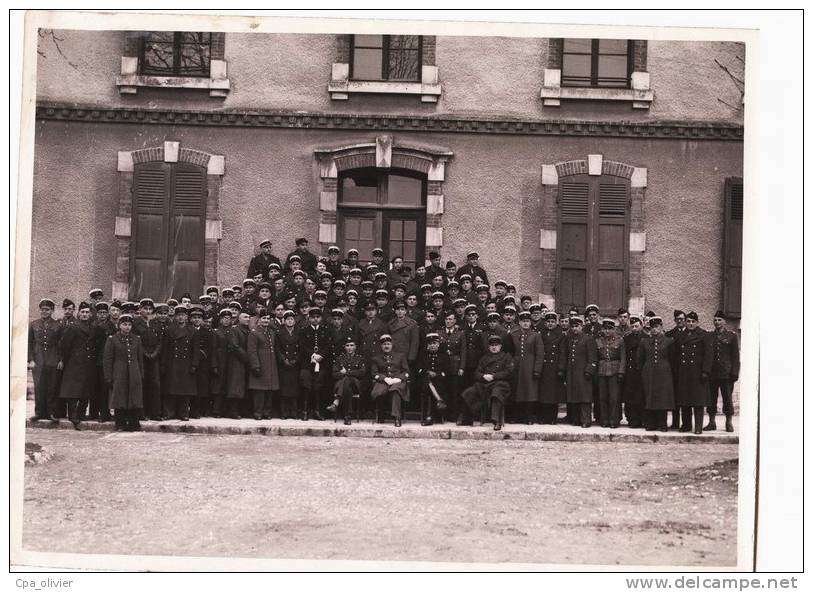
[124, 375]
[315, 368]
[180, 356]
[390, 372]
[654, 355]
[551, 390]
[577, 367]
[199, 404]
[694, 359]
[492, 383]
[262, 362]
[529, 354]
[78, 349]
[237, 365]
[632, 392]
[453, 340]
[288, 352]
[220, 358]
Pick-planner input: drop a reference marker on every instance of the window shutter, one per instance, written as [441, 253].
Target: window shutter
[574, 199]
[574, 241]
[185, 265]
[151, 187]
[732, 247]
[611, 244]
[612, 200]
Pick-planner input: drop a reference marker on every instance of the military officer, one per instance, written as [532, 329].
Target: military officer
[180, 359]
[577, 366]
[654, 355]
[262, 362]
[314, 364]
[43, 359]
[453, 341]
[77, 353]
[207, 365]
[307, 258]
[435, 268]
[123, 374]
[104, 328]
[472, 267]
[695, 357]
[68, 310]
[492, 383]
[260, 262]
[349, 369]
[529, 354]
[632, 392]
[433, 370]
[289, 340]
[725, 371]
[473, 331]
[151, 333]
[676, 333]
[551, 390]
[390, 372]
[612, 364]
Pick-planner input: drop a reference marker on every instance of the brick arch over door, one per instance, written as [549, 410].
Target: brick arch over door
[170, 152]
[383, 153]
[593, 165]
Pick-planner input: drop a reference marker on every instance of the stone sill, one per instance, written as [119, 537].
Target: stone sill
[129, 84]
[640, 99]
[429, 92]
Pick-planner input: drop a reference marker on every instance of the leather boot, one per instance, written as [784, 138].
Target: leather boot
[729, 423]
[712, 425]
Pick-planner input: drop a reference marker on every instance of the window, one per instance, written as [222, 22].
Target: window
[384, 209]
[167, 53]
[593, 237]
[168, 230]
[605, 63]
[386, 57]
[732, 247]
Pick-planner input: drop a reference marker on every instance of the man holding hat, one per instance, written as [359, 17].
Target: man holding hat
[390, 371]
[492, 384]
[314, 364]
[577, 366]
[654, 355]
[307, 258]
[725, 371]
[472, 267]
[43, 359]
[694, 358]
[612, 364]
[123, 375]
[77, 360]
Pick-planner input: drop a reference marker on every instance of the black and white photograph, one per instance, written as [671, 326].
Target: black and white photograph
[452, 295]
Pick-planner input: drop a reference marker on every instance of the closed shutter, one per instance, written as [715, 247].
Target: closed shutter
[185, 268]
[732, 247]
[574, 241]
[593, 242]
[149, 234]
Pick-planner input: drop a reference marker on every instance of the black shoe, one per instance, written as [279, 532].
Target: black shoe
[104, 419]
[194, 416]
[698, 430]
[605, 424]
[266, 416]
[729, 424]
[529, 422]
[332, 408]
[497, 426]
[586, 424]
[651, 428]
[258, 416]
[136, 426]
[397, 422]
[613, 426]
[304, 416]
[427, 422]
[347, 421]
[53, 419]
[183, 418]
[710, 427]
[686, 428]
[664, 429]
[234, 415]
[76, 423]
[441, 405]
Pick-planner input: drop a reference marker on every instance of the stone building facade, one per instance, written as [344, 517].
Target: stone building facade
[623, 190]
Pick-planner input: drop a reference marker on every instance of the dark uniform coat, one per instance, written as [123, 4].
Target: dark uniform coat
[579, 357]
[259, 264]
[455, 345]
[501, 366]
[694, 360]
[529, 353]
[207, 360]
[43, 341]
[474, 345]
[437, 362]
[220, 358]
[124, 370]
[262, 360]
[725, 355]
[356, 370]
[180, 357]
[391, 365]
[612, 355]
[551, 389]
[507, 342]
[632, 392]
[78, 353]
[369, 332]
[405, 337]
[288, 357]
[654, 352]
[308, 261]
[468, 268]
[236, 369]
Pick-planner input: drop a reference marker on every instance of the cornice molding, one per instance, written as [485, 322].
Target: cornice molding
[299, 120]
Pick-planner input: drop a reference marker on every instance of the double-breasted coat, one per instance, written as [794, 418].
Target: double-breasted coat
[220, 359]
[551, 389]
[262, 360]
[434, 367]
[43, 342]
[288, 357]
[207, 361]
[369, 332]
[475, 348]
[391, 365]
[632, 392]
[578, 361]
[654, 352]
[123, 362]
[725, 355]
[180, 356]
[78, 351]
[612, 355]
[236, 370]
[529, 353]
[355, 370]
[454, 342]
[694, 360]
[507, 342]
[501, 367]
[405, 337]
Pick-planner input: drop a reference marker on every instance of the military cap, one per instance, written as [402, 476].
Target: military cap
[228, 291]
[353, 252]
[171, 302]
[301, 241]
[719, 315]
[162, 307]
[320, 294]
[621, 311]
[459, 302]
[502, 283]
[650, 314]
[385, 337]
[434, 255]
[225, 312]
[95, 292]
[493, 316]
[349, 339]
[635, 319]
[525, 297]
[481, 288]
[210, 289]
[128, 307]
[293, 258]
[67, 302]
[125, 318]
[204, 299]
[577, 320]
[425, 287]
[237, 305]
[314, 311]
[524, 315]
[299, 273]
[551, 315]
[432, 337]
[510, 286]
[535, 307]
[367, 284]
[378, 251]
[116, 303]
[678, 313]
[590, 308]
[181, 309]
[380, 275]
[353, 292]
[337, 312]
[339, 283]
[655, 320]
[266, 242]
[453, 283]
[399, 304]
[609, 323]
[465, 277]
[47, 302]
[196, 311]
[573, 311]
[381, 294]
[274, 265]
[249, 282]
[473, 255]
[288, 313]
[355, 271]
[450, 264]
[325, 274]
[369, 306]
[333, 249]
[102, 306]
[509, 309]
[371, 267]
[493, 339]
[470, 308]
[401, 285]
[692, 315]
[508, 297]
[438, 294]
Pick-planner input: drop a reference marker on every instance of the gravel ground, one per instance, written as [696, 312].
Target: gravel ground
[358, 498]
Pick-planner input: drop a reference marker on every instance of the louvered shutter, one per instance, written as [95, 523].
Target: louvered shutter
[732, 247]
[611, 248]
[574, 201]
[151, 185]
[185, 265]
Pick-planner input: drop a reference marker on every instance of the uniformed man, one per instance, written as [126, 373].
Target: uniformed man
[453, 342]
[100, 401]
[435, 268]
[78, 353]
[349, 370]
[390, 372]
[492, 384]
[676, 333]
[632, 392]
[577, 366]
[473, 267]
[551, 390]
[473, 331]
[314, 364]
[68, 309]
[95, 297]
[433, 370]
[43, 359]
[654, 354]
[207, 365]
[262, 362]
[334, 264]
[383, 309]
[493, 326]
[180, 359]
[695, 357]
[612, 364]
[260, 262]
[623, 318]
[123, 372]
[725, 371]
[529, 353]
[353, 259]
[151, 333]
[307, 259]
[289, 367]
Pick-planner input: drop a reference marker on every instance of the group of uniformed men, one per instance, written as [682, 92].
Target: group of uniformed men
[332, 335]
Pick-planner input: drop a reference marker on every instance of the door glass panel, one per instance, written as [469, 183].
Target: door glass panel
[410, 228]
[358, 234]
[396, 227]
[360, 188]
[404, 191]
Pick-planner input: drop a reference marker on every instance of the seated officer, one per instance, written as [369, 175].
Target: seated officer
[433, 369]
[492, 383]
[349, 369]
[390, 372]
